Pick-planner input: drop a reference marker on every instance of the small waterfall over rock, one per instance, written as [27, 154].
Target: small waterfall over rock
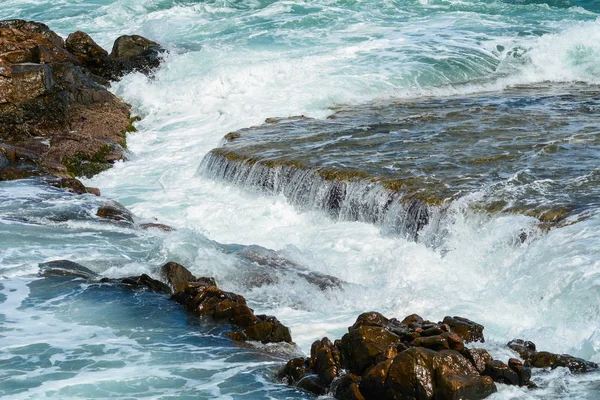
[355, 200]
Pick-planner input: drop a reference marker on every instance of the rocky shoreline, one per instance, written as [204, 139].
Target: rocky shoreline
[57, 118]
[198, 295]
[379, 358]
[58, 121]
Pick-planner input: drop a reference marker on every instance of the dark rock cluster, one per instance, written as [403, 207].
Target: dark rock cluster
[57, 117]
[381, 358]
[543, 359]
[199, 295]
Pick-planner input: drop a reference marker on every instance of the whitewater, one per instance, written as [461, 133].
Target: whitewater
[230, 65]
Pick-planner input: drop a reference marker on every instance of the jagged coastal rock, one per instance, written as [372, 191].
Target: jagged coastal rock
[199, 295]
[57, 117]
[381, 358]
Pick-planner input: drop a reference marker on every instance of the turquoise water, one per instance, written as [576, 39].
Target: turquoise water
[230, 66]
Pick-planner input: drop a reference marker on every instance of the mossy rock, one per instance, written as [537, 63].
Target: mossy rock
[83, 165]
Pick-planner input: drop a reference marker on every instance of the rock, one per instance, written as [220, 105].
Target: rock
[115, 212]
[52, 105]
[372, 384]
[30, 42]
[70, 184]
[381, 358]
[208, 300]
[543, 359]
[347, 388]
[325, 360]
[4, 161]
[131, 46]
[478, 357]
[133, 53]
[293, 371]
[130, 54]
[93, 190]
[365, 346]
[412, 320]
[267, 329]
[177, 276]
[445, 341]
[311, 384]
[162, 227]
[266, 266]
[87, 52]
[457, 387]
[468, 330]
[66, 268]
[523, 372]
[501, 373]
[419, 373]
[147, 282]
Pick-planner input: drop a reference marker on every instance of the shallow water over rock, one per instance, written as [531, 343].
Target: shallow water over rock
[528, 149]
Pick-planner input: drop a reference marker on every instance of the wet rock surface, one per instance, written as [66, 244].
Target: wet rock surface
[66, 268]
[544, 359]
[263, 266]
[56, 115]
[199, 295]
[115, 212]
[398, 164]
[381, 358]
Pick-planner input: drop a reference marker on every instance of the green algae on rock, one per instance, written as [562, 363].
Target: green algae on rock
[54, 104]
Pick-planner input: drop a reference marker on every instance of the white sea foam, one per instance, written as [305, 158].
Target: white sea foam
[217, 80]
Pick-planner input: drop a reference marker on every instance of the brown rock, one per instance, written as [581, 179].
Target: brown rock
[115, 212]
[325, 360]
[523, 372]
[347, 388]
[153, 225]
[93, 190]
[45, 94]
[468, 330]
[70, 184]
[501, 373]
[370, 319]
[412, 319]
[372, 384]
[147, 282]
[177, 276]
[543, 359]
[311, 384]
[437, 343]
[135, 53]
[478, 357]
[412, 375]
[366, 346]
[268, 329]
[457, 387]
[293, 371]
[202, 299]
[87, 52]
[419, 373]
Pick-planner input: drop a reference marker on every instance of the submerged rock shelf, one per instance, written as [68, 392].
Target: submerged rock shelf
[527, 150]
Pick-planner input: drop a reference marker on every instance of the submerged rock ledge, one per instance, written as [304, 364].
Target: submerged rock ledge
[57, 117]
[399, 164]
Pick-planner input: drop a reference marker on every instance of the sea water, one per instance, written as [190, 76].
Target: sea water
[231, 64]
